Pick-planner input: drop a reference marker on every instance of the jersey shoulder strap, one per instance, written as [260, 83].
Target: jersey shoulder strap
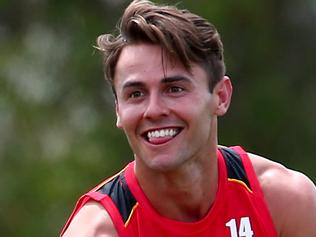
[114, 195]
[120, 194]
[240, 168]
[235, 168]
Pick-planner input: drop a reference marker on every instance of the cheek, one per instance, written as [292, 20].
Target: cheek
[202, 118]
[128, 118]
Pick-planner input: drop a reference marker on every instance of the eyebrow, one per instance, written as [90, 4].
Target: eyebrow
[175, 79]
[130, 84]
[165, 80]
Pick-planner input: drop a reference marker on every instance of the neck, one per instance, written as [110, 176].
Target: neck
[188, 192]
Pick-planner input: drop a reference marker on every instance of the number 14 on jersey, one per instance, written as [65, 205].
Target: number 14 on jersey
[244, 229]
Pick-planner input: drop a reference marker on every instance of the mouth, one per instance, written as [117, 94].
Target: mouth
[160, 136]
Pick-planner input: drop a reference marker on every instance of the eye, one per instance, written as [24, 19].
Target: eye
[175, 89]
[136, 94]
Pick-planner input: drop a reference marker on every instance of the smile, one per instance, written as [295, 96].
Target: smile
[162, 134]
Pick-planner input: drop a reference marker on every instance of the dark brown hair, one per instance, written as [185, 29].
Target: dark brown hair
[183, 35]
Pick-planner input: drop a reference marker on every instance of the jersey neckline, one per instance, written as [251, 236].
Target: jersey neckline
[184, 227]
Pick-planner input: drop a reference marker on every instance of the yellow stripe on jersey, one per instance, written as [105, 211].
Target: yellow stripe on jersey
[131, 214]
[240, 182]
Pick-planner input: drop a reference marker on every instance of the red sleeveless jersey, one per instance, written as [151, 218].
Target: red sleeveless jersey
[239, 209]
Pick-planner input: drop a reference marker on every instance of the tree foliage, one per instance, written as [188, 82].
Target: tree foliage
[57, 120]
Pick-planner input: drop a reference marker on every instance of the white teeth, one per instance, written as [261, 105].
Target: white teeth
[162, 133]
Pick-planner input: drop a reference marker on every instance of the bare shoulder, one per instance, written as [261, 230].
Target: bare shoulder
[91, 221]
[290, 195]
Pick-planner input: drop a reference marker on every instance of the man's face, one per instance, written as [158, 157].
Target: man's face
[167, 113]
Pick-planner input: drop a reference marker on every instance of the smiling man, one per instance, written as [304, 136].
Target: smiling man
[167, 72]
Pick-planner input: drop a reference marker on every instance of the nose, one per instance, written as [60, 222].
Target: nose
[156, 107]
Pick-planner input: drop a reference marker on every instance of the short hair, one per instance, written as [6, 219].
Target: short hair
[183, 35]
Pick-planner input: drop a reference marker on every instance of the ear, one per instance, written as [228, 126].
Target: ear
[118, 119]
[223, 90]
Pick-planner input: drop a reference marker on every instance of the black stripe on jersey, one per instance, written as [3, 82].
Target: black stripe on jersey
[234, 165]
[120, 194]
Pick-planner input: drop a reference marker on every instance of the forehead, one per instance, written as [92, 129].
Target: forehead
[148, 62]
[145, 56]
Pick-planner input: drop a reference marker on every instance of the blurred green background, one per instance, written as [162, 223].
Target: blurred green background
[57, 121]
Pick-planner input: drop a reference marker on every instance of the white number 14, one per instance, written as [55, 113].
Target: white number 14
[244, 227]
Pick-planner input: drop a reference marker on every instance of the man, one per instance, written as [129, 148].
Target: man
[167, 73]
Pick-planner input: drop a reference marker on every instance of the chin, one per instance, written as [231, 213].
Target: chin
[163, 164]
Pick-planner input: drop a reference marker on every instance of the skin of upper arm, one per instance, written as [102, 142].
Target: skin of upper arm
[300, 209]
[92, 220]
[291, 198]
